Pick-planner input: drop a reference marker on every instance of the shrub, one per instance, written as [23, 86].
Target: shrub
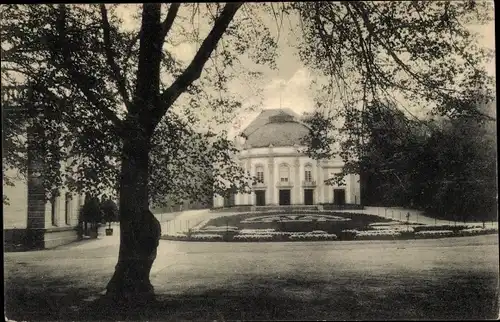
[441, 228]
[434, 233]
[378, 234]
[348, 234]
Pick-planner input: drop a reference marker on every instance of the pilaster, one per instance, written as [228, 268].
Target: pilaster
[296, 199]
[320, 183]
[271, 186]
[248, 168]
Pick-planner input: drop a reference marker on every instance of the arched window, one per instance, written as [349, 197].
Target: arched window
[284, 173]
[308, 173]
[259, 173]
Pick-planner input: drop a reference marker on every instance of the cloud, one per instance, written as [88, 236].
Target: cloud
[293, 93]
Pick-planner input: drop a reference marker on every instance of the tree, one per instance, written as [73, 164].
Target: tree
[91, 212]
[99, 87]
[96, 91]
[109, 210]
[188, 165]
[377, 55]
[460, 177]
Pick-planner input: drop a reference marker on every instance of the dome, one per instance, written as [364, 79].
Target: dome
[277, 134]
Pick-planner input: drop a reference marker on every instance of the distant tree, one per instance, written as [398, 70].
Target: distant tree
[91, 210]
[460, 173]
[110, 211]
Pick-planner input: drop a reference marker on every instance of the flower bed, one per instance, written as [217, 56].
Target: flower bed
[377, 234]
[434, 233]
[175, 236]
[206, 237]
[257, 231]
[477, 231]
[215, 229]
[312, 236]
[293, 218]
[443, 228]
[253, 237]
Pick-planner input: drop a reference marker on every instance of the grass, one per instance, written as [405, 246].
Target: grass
[357, 221]
[455, 278]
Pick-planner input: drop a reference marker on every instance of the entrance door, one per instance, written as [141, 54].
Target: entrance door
[230, 201]
[260, 197]
[339, 196]
[308, 196]
[284, 197]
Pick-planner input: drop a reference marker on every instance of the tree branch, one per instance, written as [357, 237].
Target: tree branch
[169, 20]
[110, 57]
[193, 71]
[76, 76]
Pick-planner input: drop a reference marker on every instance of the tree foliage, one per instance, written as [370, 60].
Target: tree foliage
[80, 65]
[447, 167]
[109, 210]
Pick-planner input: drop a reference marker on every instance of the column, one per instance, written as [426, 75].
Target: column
[248, 169]
[36, 193]
[319, 183]
[326, 188]
[272, 182]
[297, 184]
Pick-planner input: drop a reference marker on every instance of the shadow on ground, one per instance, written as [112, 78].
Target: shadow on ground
[456, 297]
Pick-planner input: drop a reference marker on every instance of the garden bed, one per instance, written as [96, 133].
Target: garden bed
[272, 226]
[271, 235]
[299, 221]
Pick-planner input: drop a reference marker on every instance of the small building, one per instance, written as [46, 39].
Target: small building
[270, 150]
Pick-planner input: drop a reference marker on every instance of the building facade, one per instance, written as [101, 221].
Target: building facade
[29, 219]
[270, 150]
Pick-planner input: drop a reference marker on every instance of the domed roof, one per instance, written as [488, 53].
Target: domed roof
[277, 134]
[276, 129]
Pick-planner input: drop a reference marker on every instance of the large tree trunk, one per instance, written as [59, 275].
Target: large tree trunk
[139, 229]
[131, 278]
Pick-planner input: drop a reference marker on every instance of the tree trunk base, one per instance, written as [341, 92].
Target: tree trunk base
[130, 283]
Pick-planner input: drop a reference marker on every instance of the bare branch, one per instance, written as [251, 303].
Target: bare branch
[110, 58]
[76, 76]
[169, 20]
[193, 71]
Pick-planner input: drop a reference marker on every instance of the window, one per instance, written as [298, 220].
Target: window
[284, 173]
[260, 173]
[53, 209]
[67, 208]
[308, 173]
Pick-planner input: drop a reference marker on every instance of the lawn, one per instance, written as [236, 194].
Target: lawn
[452, 278]
[356, 221]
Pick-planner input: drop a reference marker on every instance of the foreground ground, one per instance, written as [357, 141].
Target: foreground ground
[450, 278]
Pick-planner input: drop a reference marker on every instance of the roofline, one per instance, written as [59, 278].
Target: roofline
[295, 120]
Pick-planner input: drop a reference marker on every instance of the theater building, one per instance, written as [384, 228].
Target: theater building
[270, 150]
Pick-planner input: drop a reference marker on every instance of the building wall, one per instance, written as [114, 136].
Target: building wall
[271, 158]
[15, 214]
[49, 232]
